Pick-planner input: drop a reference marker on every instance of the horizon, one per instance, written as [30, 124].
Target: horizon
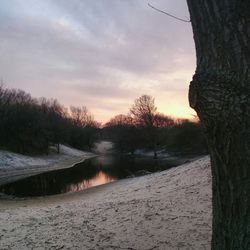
[88, 54]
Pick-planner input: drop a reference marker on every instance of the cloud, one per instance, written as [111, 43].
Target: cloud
[100, 49]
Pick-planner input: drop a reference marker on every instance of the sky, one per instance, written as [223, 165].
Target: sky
[102, 54]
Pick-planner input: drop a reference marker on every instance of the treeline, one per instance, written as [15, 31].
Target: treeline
[144, 127]
[29, 125]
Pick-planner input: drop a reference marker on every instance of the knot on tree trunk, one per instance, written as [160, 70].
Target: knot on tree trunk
[221, 94]
[192, 95]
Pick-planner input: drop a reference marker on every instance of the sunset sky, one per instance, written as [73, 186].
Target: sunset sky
[98, 53]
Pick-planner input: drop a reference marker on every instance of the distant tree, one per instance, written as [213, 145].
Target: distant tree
[122, 130]
[86, 127]
[30, 125]
[185, 138]
[81, 116]
[162, 124]
[120, 120]
[163, 121]
[144, 113]
[20, 125]
[56, 118]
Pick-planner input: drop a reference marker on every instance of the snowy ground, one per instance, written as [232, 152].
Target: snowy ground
[15, 166]
[165, 210]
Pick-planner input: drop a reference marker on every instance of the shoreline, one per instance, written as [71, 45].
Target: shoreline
[52, 162]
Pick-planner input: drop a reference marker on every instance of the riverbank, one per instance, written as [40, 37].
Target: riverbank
[16, 166]
[165, 210]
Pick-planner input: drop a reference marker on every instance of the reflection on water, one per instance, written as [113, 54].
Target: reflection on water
[81, 176]
[99, 179]
[96, 171]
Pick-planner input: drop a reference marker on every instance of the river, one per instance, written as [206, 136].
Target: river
[107, 167]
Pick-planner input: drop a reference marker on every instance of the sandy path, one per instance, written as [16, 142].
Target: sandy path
[167, 210]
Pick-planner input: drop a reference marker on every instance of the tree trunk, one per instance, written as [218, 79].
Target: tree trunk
[220, 94]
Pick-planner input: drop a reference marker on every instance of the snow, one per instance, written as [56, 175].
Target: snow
[166, 210]
[13, 160]
[15, 166]
[103, 147]
[71, 151]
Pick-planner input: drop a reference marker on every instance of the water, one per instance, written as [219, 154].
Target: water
[103, 169]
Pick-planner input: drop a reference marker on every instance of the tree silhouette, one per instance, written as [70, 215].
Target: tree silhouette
[144, 113]
[144, 110]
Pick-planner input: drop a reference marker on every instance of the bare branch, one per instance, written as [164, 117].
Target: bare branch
[161, 11]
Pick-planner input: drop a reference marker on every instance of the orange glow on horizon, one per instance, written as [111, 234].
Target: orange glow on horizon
[176, 107]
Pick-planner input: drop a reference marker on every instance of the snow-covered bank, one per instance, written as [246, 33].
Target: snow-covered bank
[15, 166]
[166, 210]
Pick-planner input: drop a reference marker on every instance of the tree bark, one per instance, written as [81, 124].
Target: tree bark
[220, 94]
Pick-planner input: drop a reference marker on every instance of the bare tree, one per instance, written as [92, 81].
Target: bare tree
[144, 112]
[163, 121]
[220, 93]
[81, 116]
[120, 120]
[122, 130]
